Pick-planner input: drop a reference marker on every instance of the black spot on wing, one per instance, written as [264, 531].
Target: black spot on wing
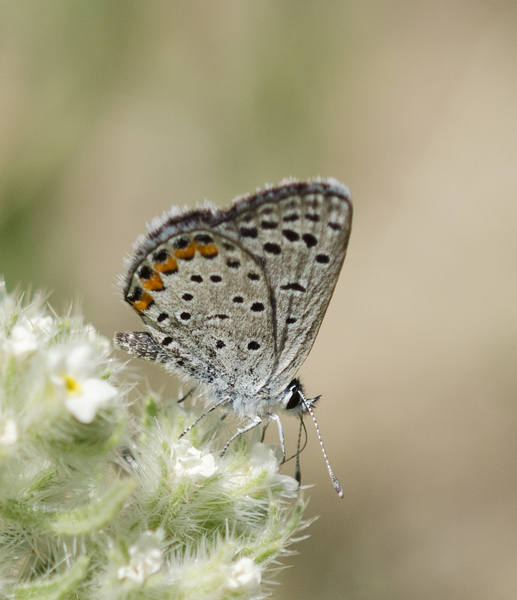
[136, 295]
[145, 273]
[272, 248]
[309, 239]
[203, 238]
[248, 232]
[269, 224]
[296, 287]
[181, 243]
[161, 256]
[290, 235]
[291, 218]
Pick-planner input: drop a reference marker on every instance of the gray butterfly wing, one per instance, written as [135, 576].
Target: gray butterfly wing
[235, 298]
[205, 301]
[300, 233]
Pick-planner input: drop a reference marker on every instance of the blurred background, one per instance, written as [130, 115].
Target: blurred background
[110, 112]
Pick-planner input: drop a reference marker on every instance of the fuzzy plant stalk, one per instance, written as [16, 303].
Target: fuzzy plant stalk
[99, 499]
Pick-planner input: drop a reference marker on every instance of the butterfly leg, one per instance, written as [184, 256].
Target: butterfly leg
[223, 401]
[264, 429]
[256, 421]
[280, 433]
[188, 394]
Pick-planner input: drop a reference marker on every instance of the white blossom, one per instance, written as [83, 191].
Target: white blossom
[40, 325]
[189, 461]
[244, 574]
[8, 431]
[262, 460]
[105, 490]
[72, 371]
[21, 342]
[145, 558]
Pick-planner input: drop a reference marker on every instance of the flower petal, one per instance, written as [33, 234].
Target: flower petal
[145, 558]
[23, 342]
[95, 395]
[243, 574]
[79, 361]
[189, 461]
[8, 432]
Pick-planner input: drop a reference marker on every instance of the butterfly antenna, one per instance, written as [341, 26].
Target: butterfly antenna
[298, 471]
[335, 482]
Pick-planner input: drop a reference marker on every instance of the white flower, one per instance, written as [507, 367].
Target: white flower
[244, 574]
[262, 462]
[40, 325]
[262, 458]
[97, 340]
[71, 372]
[21, 343]
[190, 461]
[145, 558]
[8, 432]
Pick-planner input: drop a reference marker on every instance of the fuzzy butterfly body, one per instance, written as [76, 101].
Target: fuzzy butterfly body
[234, 298]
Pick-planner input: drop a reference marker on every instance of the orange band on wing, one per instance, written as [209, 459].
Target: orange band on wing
[169, 266]
[154, 283]
[187, 252]
[207, 250]
[144, 302]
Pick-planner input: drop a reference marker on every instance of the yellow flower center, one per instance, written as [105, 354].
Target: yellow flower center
[73, 387]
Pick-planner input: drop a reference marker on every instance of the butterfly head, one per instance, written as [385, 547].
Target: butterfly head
[293, 400]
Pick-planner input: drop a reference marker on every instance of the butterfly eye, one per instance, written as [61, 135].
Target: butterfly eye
[294, 400]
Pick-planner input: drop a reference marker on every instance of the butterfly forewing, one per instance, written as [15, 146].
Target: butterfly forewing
[301, 241]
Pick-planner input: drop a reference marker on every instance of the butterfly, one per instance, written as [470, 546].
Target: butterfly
[235, 298]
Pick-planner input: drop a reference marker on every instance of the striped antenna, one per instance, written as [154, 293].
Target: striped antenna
[335, 482]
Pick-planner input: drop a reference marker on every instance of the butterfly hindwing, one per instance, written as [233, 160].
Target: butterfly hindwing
[206, 303]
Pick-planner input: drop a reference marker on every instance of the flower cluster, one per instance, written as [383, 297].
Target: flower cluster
[99, 498]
